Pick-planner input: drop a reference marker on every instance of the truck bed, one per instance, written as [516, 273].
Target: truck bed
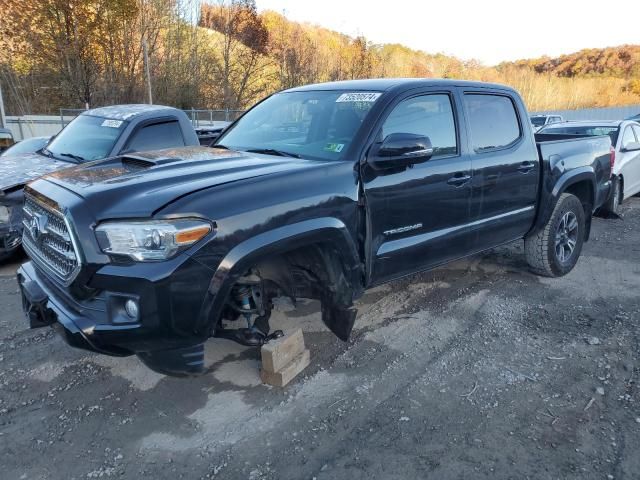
[560, 153]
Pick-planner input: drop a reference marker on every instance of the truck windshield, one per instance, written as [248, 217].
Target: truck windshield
[318, 125]
[590, 130]
[86, 138]
[538, 121]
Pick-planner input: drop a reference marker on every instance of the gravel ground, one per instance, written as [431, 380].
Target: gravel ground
[476, 370]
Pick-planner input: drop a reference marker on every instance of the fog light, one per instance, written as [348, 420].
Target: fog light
[131, 307]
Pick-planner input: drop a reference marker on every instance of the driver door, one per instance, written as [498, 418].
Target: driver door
[418, 215]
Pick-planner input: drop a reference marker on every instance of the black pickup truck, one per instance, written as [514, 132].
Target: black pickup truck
[317, 192]
[94, 134]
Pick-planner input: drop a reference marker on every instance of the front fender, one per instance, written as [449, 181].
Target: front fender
[277, 241]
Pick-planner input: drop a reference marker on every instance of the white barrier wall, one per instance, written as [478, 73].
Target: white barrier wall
[35, 125]
[611, 113]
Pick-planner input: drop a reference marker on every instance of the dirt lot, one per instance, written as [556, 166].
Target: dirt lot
[477, 370]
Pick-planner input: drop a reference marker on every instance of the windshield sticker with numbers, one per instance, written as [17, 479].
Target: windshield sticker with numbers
[358, 97]
[111, 123]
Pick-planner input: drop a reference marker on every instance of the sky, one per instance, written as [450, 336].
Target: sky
[487, 30]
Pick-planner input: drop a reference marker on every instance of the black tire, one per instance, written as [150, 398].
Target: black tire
[613, 204]
[548, 251]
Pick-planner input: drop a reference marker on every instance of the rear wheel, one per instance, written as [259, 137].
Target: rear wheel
[554, 250]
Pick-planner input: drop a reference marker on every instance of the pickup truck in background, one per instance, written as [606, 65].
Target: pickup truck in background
[208, 134]
[93, 135]
[540, 121]
[317, 192]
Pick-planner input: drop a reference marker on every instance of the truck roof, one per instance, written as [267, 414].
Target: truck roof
[129, 111]
[384, 84]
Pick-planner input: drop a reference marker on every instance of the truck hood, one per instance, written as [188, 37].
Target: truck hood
[18, 170]
[140, 184]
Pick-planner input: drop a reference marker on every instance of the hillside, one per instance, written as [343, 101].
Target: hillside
[617, 62]
[231, 55]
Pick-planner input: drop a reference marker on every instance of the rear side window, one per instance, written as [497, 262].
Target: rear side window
[429, 115]
[637, 130]
[493, 121]
[157, 136]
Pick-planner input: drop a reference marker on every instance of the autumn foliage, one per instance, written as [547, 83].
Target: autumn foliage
[226, 54]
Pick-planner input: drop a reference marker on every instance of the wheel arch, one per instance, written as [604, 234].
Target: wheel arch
[580, 182]
[329, 235]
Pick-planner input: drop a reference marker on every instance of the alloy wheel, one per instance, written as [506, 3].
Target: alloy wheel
[566, 237]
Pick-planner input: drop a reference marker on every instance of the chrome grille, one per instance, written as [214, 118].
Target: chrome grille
[47, 239]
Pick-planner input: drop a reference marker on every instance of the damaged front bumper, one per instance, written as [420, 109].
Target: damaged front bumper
[96, 325]
[44, 308]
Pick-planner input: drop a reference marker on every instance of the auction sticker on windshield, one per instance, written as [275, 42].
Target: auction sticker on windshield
[111, 123]
[358, 97]
[334, 147]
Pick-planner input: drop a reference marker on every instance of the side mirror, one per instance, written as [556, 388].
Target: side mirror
[400, 150]
[631, 146]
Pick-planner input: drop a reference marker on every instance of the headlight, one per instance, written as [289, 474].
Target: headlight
[4, 214]
[150, 240]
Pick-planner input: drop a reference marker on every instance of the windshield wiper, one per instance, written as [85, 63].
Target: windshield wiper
[77, 158]
[273, 151]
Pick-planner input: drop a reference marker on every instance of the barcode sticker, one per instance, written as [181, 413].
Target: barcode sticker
[358, 97]
[112, 123]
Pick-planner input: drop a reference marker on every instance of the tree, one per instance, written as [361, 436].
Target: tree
[61, 34]
[243, 48]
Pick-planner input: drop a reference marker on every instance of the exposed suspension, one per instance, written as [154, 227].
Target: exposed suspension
[248, 299]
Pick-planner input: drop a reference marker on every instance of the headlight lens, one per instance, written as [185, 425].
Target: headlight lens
[4, 214]
[150, 240]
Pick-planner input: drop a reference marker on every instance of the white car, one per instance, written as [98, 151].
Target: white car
[625, 139]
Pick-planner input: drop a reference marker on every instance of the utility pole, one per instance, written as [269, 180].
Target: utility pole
[146, 69]
[3, 119]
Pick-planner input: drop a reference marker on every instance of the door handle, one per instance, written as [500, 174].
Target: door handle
[526, 167]
[459, 179]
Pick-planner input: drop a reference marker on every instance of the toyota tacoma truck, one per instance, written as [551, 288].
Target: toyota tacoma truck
[317, 192]
[95, 134]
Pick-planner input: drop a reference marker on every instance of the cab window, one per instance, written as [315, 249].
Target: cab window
[427, 115]
[156, 136]
[493, 121]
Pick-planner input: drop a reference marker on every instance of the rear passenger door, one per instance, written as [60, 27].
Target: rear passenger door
[505, 166]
